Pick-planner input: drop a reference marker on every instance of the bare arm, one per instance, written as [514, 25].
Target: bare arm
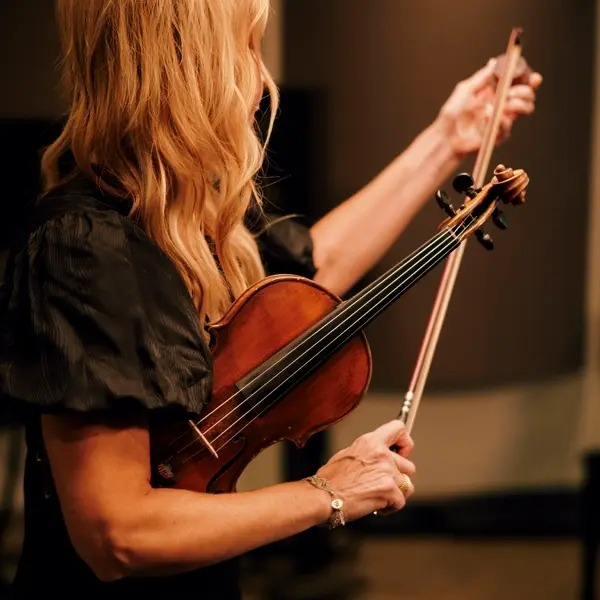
[353, 237]
[122, 527]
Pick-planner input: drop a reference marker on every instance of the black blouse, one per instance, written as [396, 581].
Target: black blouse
[94, 317]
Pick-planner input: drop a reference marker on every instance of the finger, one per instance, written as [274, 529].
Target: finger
[480, 79]
[394, 433]
[407, 448]
[524, 92]
[384, 512]
[404, 483]
[395, 502]
[517, 106]
[394, 497]
[505, 128]
[535, 80]
[506, 123]
[404, 465]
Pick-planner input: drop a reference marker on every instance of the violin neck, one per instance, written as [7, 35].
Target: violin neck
[368, 304]
[274, 378]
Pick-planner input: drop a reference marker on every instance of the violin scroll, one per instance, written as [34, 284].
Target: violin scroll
[510, 185]
[507, 186]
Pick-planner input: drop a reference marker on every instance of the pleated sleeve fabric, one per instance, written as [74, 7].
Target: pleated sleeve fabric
[95, 318]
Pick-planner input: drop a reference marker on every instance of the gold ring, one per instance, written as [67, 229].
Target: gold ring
[405, 484]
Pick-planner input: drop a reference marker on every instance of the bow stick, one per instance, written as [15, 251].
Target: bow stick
[414, 394]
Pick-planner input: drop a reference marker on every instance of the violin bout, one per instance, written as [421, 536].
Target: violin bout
[211, 453]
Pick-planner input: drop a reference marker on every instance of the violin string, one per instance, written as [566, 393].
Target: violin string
[416, 258]
[392, 275]
[366, 313]
[428, 258]
[436, 254]
[266, 397]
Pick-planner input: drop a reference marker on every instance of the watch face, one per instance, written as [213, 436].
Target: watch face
[337, 504]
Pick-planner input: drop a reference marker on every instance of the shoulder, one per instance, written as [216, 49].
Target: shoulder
[73, 217]
[94, 316]
[78, 232]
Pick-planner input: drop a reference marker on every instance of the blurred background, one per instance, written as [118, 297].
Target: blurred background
[508, 434]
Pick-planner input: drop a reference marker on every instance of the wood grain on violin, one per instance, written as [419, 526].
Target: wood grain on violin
[291, 359]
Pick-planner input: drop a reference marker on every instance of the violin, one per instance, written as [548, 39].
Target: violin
[291, 359]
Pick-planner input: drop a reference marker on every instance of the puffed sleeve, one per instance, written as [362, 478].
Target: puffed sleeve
[97, 319]
[285, 245]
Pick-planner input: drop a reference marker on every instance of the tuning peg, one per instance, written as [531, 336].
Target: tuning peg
[484, 239]
[463, 184]
[499, 219]
[443, 201]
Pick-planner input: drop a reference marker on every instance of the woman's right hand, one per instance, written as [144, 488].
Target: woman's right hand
[368, 476]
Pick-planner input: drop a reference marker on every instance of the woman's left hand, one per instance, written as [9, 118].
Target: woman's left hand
[465, 113]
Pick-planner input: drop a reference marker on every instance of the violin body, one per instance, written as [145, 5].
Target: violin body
[290, 359]
[261, 322]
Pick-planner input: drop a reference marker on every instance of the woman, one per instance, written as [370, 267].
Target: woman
[129, 255]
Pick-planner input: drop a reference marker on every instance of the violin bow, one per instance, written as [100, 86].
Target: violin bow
[414, 394]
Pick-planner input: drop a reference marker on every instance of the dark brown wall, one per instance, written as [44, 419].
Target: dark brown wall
[387, 66]
[29, 61]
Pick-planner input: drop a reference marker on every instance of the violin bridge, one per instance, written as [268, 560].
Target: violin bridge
[203, 439]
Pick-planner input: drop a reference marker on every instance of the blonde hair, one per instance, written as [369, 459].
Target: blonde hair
[162, 96]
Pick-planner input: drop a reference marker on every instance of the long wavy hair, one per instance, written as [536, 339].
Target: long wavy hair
[162, 96]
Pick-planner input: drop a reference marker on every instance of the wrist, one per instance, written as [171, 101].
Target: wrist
[444, 129]
[336, 515]
[321, 501]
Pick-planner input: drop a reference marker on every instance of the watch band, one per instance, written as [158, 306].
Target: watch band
[337, 504]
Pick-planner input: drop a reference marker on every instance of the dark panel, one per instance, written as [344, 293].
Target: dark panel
[387, 67]
[294, 173]
[539, 513]
[29, 46]
[22, 143]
